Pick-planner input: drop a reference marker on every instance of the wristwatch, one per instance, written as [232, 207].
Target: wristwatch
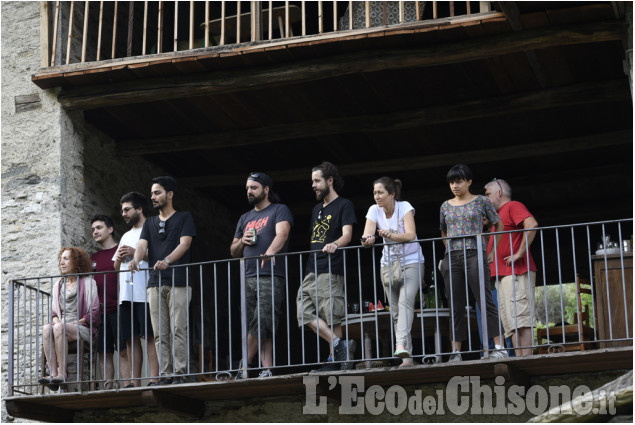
[167, 260]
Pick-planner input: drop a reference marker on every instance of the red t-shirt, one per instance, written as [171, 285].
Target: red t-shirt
[104, 262]
[512, 215]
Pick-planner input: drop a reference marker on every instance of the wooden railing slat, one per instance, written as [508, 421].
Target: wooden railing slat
[58, 5]
[145, 27]
[101, 21]
[69, 42]
[114, 31]
[85, 32]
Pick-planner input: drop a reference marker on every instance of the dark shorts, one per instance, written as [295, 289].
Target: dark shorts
[108, 328]
[269, 308]
[134, 319]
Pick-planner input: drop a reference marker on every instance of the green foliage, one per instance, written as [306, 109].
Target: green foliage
[559, 296]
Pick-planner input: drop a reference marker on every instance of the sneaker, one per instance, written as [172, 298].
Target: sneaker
[351, 346]
[329, 367]
[265, 374]
[164, 381]
[242, 374]
[498, 354]
[455, 357]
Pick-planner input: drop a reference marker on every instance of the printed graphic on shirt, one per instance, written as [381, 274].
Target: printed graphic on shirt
[259, 224]
[320, 228]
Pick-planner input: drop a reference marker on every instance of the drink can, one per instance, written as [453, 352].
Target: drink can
[254, 237]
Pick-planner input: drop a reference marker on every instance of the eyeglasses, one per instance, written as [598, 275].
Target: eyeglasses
[161, 229]
[495, 180]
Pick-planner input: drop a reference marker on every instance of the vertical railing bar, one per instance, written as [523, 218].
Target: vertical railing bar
[345, 306]
[331, 304]
[544, 281]
[145, 27]
[130, 28]
[244, 294]
[367, 7]
[216, 318]
[273, 312]
[201, 349]
[469, 10]
[375, 298]
[320, 18]
[173, 327]
[421, 306]
[85, 31]
[101, 20]
[252, 8]
[191, 24]
[578, 296]
[17, 346]
[591, 278]
[317, 304]
[451, 9]
[390, 286]
[160, 28]
[435, 9]
[418, 10]
[243, 314]
[619, 231]
[287, 26]
[33, 330]
[451, 290]
[302, 314]
[286, 286]
[401, 12]
[229, 305]
[55, 29]
[38, 318]
[187, 315]
[606, 273]
[114, 30]
[207, 23]
[176, 26]
[436, 298]
[511, 254]
[564, 337]
[70, 33]
[238, 18]
[222, 23]
[361, 321]
[334, 16]
[530, 287]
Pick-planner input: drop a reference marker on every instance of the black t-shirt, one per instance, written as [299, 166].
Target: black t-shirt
[180, 224]
[264, 221]
[334, 217]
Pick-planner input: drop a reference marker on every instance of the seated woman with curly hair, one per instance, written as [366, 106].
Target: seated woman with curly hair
[75, 312]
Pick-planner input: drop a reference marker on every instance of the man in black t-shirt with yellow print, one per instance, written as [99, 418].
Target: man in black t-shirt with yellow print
[322, 308]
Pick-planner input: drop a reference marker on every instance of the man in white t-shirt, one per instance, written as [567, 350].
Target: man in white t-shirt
[134, 317]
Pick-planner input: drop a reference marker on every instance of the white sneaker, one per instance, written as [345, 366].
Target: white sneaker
[455, 357]
[265, 374]
[498, 354]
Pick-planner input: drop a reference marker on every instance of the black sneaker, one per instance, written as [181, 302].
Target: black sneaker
[179, 380]
[340, 353]
[164, 381]
[329, 367]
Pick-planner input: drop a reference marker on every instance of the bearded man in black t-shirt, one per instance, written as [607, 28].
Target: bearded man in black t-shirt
[262, 231]
[320, 300]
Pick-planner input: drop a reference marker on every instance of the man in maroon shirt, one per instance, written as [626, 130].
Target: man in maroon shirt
[514, 268]
[103, 229]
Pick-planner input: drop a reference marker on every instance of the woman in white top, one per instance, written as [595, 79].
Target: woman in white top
[401, 262]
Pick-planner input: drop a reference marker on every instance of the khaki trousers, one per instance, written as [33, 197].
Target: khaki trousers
[168, 312]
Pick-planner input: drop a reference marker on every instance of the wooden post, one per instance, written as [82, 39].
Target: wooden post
[350, 15]
[191, 24]
[206, 23]
[435, 9]
[334, 16]
[222, 23]
[176, 26]
[320, 18]
[451, 9]
[85, 31]
[114, 30]
[367, 4]
[484, 6]
[70, 33]
[44, 34]
[130, 24]
[402, 17]
[287, 29]
[271, 19]
[101, 21]
[160, 29]
[58, 6]
[256, 21]
[303, 17]
[418, 9]
[145, 27]
[238, 21]
[469, 9]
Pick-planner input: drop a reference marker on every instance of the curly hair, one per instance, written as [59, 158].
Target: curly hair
[80, 261]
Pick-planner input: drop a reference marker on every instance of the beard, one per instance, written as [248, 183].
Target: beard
[321, 194]
[159, 204]
[255, 200]
[132, 220]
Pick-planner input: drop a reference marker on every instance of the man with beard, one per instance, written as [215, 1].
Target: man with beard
[103, 230]
[332, 227]
[262, 231]
[134, 317]
[167, 239]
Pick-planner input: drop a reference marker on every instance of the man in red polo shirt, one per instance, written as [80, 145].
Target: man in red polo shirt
[515, 280]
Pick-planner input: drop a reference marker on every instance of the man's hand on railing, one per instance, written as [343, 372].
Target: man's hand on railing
[368, 240]
[265, 259]
[133, 266]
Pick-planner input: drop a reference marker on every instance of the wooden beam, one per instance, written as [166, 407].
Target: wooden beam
[38, 412]
[608, 91]
[171, 402]
[131, 92]
[433, 161]
[512, 13]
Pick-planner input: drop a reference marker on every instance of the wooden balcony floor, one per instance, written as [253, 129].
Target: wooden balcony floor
[190, 398]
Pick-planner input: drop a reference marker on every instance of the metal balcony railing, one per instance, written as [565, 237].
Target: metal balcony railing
[80, 32]
[217, 317]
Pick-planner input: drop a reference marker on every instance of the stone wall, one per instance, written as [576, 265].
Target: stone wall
[58, 171]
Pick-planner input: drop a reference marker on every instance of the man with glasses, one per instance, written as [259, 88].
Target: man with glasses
[320, 300]
[513, 266]
[262, 231]
[167, 239]
[134, 317]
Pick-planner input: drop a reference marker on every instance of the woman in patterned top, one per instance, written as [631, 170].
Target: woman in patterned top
[462, 219]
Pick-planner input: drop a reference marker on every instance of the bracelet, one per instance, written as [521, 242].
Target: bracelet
[336, 244]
